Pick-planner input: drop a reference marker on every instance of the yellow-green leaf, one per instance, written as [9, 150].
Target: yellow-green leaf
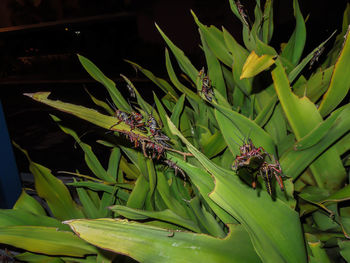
[147, 243]
[255, 64]
[46, 240]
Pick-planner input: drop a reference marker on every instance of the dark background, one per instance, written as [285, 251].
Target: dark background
[39, 40]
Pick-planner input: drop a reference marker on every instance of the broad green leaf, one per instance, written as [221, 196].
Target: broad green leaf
[28, 203]
[294, 162]
[134, 239]
[97, 74]
[53, 191]
[236, 127]
[37, 258]
[113, 164]
[316, 85]
[161, 83]
[344, 249]
[340, 82]
[214, 145]
[204, 182]
[46, 240]
[256, 212]
[317, 133]
[184, 63]
[256, 64]
[295, 46]
[318, 253]
[165, 215]
[303, 117]
[138, 195]
[19, 217]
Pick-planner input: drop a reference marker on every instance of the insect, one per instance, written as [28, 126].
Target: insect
[176, 168]
[153, 126]
[122, 117]
[134, 120]
[242, 12]
[157, 150]
[207, 89]
[250, 156]
[316, 56]
[267, 171]
[131, 91]
[252, 161]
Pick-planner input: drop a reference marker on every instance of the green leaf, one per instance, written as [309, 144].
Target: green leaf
[97, 74]
[295, 72]
[265, 114]
[46, 240]
[216, 44]
[113, 164]
[176, 82]
[256, 64]
[318, 253]
[175, 116]
[267, 28]
[18, 217]
[295, 46]
[239, 56]
[28, 203]
[37, 258]
[340, 82]
[138, 195]
[165, 215]
[214, 145]
[53, 191]
[133, 239]
[206, 219]
[204, 182]
[184, 63]
[256, 212]
[303, 117]
[101, 103]
[91, 115]
[214, 69]
[294, 162]
[90, 209]
[344, 249]
[90, 158]
[236, 127]
[317, 133]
